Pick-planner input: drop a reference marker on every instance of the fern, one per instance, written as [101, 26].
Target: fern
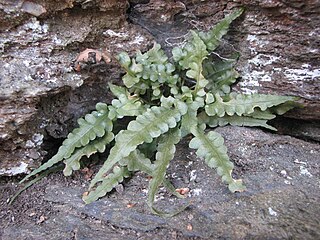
[214, 121]
[243, 104]
[137, 161]
[165, 100]
[210, 147]
[99, 145]
[151, 124]
[165, 153]
[92, 126]
[220, 74]
[213, 37]
[108, 183]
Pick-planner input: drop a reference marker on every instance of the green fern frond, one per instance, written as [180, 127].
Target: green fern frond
[193, 52]
[98, 145]
[108, 183]
[166, 149]
[132, 69]
[94, 125]
[154, 55]
[126, 104]
[213, 37]
[149, 70]
[220, 74]
[235, 120]
[244, 104]
[190, 58]
[137, 161]
[266, 115]
[189, 120]
[154, 122]
[156, 66]
[117, 91]
[211, 147]
[286, 106]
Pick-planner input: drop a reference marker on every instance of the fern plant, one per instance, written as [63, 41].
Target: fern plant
[167, 99]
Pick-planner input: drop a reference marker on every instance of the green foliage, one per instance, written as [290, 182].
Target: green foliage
[220, 73]
[94, 125]
[213, 37]
[165, 153]
[165, 100]
[240, 104]
[211, 147]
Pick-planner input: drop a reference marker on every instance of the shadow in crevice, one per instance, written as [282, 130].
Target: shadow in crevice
[302, 129]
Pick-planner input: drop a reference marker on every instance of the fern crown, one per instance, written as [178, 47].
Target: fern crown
[168, 100]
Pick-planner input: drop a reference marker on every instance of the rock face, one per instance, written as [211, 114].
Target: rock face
[280, 51]
[281, 202]
[42, 95]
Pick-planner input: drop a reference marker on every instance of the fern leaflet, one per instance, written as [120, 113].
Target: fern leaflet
[213, 37]
[137, 161]
[235, 120]
[220, 74]
[98, 145]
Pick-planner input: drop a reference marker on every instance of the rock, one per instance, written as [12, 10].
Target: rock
[281, 174]
[280, 51]
[41, 94]
[33, 8]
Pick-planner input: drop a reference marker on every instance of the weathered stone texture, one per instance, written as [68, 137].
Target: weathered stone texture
[280, 51]
[40, 91]
[281, 174]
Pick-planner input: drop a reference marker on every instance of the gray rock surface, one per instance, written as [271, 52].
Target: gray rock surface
[281, 202]
[42, 95]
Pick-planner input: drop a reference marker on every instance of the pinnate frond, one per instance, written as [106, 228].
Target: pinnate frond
[137, 161]
[220, 74]
[154, 122]
[98, 145]
[235, 120]
[108, 183]
[211, 147]
[190, 57]
[193, 52]
[94, 125]
[190, 121]
[243, 104]
[213, 37]
[148, 70]
[166, 149]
